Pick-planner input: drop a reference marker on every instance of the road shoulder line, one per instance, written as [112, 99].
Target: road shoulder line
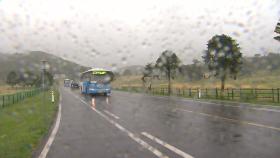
[51, 138]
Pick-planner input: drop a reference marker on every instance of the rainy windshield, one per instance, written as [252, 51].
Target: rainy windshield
[139, 79]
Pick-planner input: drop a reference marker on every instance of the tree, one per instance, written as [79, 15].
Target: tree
[12, 78]
[223, 57]
[48, 80]
[277, 30]
[28, 78]
[273, 62]
[148, 72]
[168, 63]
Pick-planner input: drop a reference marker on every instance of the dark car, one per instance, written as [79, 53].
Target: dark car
[75, 85]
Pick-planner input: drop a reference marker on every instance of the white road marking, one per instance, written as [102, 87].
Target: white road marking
[46, 148]
[265, 109]
[232, 120]
[130, 134]
[168, 146]
[111, 114]
[82, 100]
[107, 100]
[225, 104]
[235, 106]
[93, 101]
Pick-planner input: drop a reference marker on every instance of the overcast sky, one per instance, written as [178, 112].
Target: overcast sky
[105, 33]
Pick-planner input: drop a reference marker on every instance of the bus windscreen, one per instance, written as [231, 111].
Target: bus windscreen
[101, 77]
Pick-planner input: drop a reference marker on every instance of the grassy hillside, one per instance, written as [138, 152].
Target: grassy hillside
[32, 62]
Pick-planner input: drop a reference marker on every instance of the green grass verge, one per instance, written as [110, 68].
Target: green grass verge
[24, 124]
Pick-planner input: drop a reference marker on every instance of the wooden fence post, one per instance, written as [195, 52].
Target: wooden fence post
[272, 95]
[227, 94]
[256, 94]
[9, 100]
[3, 97]
[278, 97]
[240, 94]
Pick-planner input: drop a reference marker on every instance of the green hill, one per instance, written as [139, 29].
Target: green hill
[32, 62]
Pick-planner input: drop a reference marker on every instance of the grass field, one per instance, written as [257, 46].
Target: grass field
[24, 124]
[258, 80]
[5, 89]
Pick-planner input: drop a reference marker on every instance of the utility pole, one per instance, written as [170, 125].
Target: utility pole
[43, 68]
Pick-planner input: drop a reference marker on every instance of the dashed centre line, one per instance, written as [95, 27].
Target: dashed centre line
[168, 146]
[129, 134]
[111, 114]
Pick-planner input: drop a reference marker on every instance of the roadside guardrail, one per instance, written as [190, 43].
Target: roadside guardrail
[234, 94]
[9, 99]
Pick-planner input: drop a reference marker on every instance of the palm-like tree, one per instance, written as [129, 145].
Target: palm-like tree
[223, 57]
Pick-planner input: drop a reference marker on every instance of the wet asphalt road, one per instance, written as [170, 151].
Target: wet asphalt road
[137, 125]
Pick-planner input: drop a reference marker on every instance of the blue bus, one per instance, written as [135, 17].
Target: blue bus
[96, 81]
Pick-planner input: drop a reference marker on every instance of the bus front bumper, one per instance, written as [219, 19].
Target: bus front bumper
[99, 91]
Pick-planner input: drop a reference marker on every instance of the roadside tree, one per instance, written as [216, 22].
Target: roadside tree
[12, 78]
[223, 57]
[168, 63]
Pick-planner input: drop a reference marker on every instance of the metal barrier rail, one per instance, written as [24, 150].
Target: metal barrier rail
[240, 94]
[9, 99]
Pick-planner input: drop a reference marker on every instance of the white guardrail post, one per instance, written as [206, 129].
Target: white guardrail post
[52, 96]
